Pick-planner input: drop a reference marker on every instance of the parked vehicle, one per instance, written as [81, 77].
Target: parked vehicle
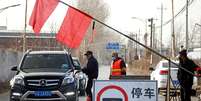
[160, 73]
[44, 76]
[81, 76]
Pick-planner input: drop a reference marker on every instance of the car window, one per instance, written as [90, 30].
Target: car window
[40, 61]
[76, 64]
[166, 65]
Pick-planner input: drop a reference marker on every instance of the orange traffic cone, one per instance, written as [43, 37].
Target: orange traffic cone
[88, 98]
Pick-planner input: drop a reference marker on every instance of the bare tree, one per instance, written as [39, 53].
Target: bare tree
[99, 10]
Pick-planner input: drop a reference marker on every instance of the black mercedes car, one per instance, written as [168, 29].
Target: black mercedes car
[45, 76]
[81, 76]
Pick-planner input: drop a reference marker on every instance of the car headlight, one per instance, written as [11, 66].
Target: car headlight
[81, 76]
[18, 80]
[68, 80]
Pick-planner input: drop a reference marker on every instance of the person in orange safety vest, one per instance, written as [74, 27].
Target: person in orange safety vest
[118, 66]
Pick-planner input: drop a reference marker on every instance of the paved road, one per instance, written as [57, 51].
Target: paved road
[104, 75]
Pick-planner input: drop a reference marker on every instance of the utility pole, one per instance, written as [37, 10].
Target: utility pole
[187, 2]
[151, 26]
[161, 36]
[136, 46]
[173, 31]
[25, 27]
[154, 37]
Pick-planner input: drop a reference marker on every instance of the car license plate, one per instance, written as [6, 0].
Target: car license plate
[42, 93]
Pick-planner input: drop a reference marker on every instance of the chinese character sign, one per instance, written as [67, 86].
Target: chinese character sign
[125, 90]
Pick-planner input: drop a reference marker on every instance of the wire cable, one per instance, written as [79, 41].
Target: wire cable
[180, 12]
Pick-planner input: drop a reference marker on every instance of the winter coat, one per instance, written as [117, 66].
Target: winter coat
[91, 69]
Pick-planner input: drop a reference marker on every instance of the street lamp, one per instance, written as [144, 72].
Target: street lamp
[143, 21]
[4, 8]
[7, 7]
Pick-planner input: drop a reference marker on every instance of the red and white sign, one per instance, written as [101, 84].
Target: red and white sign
[125, 90]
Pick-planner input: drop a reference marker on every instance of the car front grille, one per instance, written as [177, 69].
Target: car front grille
[43, 82]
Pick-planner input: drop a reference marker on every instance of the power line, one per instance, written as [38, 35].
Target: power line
[180, 12]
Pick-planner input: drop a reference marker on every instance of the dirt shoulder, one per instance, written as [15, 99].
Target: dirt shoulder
[139, 67]
[4, 87]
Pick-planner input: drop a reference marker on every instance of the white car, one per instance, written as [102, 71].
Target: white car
[160, 74]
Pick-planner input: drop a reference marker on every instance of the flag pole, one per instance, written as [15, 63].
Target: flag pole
[25, 27]
[150, 49]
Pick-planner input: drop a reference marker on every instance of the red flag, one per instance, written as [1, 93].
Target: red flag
[42, 10]
[73, 28]
[93, 33]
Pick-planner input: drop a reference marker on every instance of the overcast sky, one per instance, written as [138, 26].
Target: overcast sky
[121, 13]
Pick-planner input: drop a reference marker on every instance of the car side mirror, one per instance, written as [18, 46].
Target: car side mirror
[14, 68]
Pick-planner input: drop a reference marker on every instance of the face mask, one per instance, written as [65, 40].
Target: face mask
[113, 58]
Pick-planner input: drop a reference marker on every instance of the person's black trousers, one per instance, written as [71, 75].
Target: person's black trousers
[185, 91]
[89, 86]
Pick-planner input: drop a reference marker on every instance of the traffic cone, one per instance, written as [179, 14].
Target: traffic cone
[88, 98]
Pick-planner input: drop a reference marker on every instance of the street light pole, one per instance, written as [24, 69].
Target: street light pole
[5, 8]
[145, 24]
[143, 21]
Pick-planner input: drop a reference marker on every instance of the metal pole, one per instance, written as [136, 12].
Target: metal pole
[154, 38]
[187, 2]
[161, 28]
[168, 82]
[173, 34]
[25, 27]
[136, 46]
[151, 32]
[151, 20]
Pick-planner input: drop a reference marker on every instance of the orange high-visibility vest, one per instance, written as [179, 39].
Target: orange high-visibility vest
[116, 68]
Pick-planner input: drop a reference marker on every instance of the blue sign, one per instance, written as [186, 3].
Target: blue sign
[114, 46]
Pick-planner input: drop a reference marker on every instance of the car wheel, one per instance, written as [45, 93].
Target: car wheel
[82, 92]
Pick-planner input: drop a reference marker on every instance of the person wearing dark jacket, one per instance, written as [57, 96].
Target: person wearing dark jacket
[185, 78]
[91, 70]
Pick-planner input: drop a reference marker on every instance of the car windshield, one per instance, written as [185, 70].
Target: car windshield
[76, 63]
[45, 62]
[166, 65]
